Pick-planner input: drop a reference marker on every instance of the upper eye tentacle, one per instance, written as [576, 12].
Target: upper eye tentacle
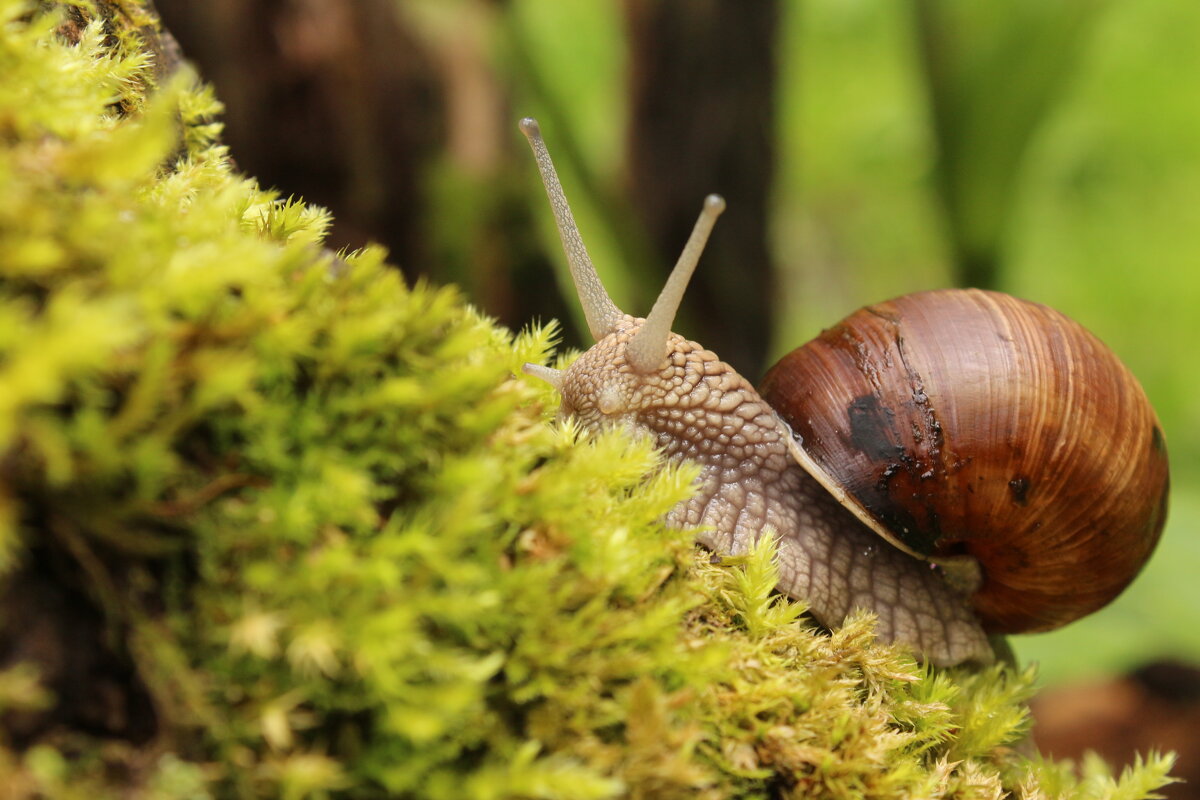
[600, 311]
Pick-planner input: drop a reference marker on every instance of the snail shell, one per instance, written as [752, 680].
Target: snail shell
[971, 422]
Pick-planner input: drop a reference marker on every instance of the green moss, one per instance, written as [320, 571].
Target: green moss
[335, 546]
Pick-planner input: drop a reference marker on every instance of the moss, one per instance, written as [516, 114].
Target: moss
[273, 523]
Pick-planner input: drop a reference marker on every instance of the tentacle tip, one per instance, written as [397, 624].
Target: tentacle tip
[529, 126]
[550, 375]
[714, 204]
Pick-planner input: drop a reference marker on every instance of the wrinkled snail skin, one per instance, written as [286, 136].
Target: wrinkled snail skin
[957, 462]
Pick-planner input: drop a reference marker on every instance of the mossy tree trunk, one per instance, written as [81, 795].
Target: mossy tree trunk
[52, 611]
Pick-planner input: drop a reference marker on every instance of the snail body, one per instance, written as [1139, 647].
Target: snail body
[958, 462]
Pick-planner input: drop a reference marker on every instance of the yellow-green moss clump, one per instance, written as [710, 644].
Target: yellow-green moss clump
[274, 524]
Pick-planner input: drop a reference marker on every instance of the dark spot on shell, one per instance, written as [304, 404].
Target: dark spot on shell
[1157, 441]
[1019, 487]
[872, 428]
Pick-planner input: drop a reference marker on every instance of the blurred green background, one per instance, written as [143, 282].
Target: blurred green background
[1046, 148]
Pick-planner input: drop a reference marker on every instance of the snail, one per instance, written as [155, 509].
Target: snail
[960, 462]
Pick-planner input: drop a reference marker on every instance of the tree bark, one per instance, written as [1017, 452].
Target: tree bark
[339, 103]
[702, 120]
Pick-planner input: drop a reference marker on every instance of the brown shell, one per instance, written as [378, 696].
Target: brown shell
[964, 421]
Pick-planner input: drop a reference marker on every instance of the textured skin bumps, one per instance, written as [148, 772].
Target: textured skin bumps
[698, 408]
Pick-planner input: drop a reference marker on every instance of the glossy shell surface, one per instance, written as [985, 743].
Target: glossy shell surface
[963, 421]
